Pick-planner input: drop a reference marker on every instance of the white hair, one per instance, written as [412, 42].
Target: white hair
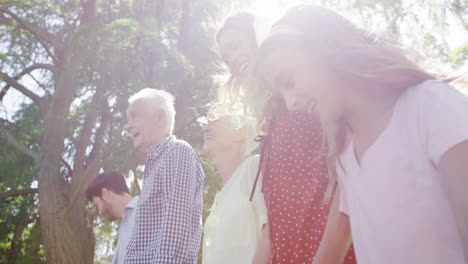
[240, 119]
[157, 100]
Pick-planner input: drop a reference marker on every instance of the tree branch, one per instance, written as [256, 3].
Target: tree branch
[14, 193]
[21, 129]
[36, 66]
[69, 169]
[20, 147]
[4, 20]
[91, 170]
[83, 180]
[27, 70]
[41, 35]
[160, 5]
[89, 12]
[183, 41]
[86, 132]
[34, 139]
[40, 102]
[99, 135]
[49, 95]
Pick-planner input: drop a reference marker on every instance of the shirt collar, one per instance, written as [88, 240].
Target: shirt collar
[156, 150]
[131, 205]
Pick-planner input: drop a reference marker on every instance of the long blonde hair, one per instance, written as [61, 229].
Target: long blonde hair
[355, 56]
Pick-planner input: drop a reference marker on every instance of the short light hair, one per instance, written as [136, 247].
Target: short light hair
[240, 119]
[157, 100]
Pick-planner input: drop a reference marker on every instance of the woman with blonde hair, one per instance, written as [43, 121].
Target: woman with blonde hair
[233, 229]
[398, 138]
[292, 156]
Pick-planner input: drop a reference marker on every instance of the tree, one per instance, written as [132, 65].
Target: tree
[85, 59]
[20, 234]
[77, 62]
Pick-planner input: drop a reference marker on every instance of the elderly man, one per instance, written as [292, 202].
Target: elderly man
[110, 194]
[168, 222]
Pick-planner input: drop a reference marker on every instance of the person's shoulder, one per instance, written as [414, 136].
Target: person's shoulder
[182, 150]
[252, 161]
[431, 95]
[183, 146]
[431, 90]
[249, 169]
[133, 203]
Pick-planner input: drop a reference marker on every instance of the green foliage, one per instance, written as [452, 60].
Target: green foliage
[130, 45]
[20, 234]
[460, 55]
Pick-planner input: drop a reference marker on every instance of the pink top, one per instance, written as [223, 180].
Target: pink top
[398, 210]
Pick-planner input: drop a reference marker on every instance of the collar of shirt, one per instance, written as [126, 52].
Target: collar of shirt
[155, 151]
[131, 205]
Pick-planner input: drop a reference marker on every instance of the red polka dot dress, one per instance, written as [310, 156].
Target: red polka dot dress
[295, 179]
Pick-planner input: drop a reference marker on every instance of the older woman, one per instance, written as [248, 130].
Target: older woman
[233, 229]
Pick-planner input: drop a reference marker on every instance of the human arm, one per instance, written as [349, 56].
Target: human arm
[444, 134]
[263, 252]
[336, 239]
[263, 249]
[182, 213]
[454, 169]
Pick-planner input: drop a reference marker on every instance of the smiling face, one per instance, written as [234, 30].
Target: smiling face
[236, 49]
[143, 125]
[302, 81]
[220, 136]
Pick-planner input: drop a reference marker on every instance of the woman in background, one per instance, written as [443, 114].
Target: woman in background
[233, 229]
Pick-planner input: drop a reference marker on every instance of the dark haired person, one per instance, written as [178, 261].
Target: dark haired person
[110, 194]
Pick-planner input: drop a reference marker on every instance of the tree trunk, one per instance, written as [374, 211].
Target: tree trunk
[68, 238]
[67, 235]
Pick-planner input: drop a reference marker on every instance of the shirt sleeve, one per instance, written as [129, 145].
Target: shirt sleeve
[343, 202]
[258, 200]
[444, 118]
[180, 213]
[341, 191]
[141, 245]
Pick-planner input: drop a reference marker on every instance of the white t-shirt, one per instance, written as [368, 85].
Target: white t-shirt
[233, 228]
[398, 209]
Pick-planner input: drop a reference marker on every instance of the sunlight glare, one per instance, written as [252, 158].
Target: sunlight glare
[267, 12]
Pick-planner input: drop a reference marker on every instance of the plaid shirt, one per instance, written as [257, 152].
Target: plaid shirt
[168, 222]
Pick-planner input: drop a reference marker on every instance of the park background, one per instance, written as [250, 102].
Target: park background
[68, 67]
